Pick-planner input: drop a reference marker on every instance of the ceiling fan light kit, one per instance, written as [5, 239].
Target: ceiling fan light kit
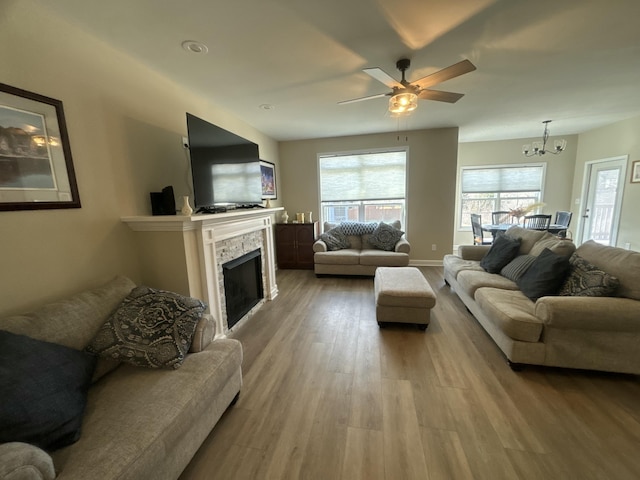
[405, 95]
[540, 148]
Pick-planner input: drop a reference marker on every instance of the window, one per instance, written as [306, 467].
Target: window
[363, 187]
[488, 189]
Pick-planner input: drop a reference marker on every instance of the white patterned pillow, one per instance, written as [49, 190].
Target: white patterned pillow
[151, 328]
[357, 228]
[385, 237]
[335, 239]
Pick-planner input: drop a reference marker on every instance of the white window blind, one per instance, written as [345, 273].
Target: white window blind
[502, 179]
[365, 176]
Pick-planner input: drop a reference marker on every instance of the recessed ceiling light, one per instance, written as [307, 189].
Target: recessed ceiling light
[266, 106]
[192, 46]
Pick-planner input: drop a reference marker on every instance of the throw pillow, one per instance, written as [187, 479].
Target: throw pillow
[502, 251]
[545, 276]
[587, 280]
[357, 228]
[43, 387]
[335, 239]
[385, 237]
[516, 267]
[151, 328]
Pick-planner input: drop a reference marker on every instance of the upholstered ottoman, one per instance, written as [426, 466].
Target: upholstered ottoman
[403, 295]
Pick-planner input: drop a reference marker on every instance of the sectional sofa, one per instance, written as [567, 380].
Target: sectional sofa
[574, 331]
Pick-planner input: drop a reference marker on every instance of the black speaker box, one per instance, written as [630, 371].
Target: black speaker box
[163, 203]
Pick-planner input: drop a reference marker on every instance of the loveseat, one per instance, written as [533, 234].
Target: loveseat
[573, 330]
[353, 248]
[138, 422]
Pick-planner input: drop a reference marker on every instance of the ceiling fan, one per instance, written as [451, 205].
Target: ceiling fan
[404, 95]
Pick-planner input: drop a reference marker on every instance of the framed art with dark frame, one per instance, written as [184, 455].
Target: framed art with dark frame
[36, 169]
[635, 171]
[268, 174]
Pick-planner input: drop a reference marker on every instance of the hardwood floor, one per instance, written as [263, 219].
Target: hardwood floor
[328, 395]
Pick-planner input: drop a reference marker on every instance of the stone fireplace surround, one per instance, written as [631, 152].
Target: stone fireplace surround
[206, 242]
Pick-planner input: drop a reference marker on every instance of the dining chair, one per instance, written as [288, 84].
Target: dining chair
[537, 222]
[563, 218]
[501, 216]
[478, 234]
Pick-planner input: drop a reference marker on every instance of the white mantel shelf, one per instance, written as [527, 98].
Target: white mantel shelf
[181, 223]
[199, 235]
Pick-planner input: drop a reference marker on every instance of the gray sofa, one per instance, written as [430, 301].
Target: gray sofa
[138, 422]
[594, 333]
[361, 258]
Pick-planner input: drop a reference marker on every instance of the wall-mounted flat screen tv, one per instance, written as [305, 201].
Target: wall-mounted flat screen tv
[225, 167]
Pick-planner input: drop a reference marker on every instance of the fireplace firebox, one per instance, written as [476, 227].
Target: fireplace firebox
[242, 285]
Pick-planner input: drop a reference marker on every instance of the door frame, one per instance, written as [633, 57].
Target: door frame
[588, 168]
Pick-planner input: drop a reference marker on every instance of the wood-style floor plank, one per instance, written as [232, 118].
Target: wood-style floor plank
[329, 395]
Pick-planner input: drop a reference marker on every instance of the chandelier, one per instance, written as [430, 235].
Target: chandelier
[540, 148]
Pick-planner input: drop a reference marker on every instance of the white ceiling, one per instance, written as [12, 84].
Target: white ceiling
[576, 62]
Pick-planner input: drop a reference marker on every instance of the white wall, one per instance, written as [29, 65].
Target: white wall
[125, 125]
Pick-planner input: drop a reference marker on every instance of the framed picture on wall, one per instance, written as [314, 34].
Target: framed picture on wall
[268, 173]
[635, 172]
[36, 169]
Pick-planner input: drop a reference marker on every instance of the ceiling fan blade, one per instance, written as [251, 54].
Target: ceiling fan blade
[383, 77]
[448, 73]
[370, 97]
[440, 96]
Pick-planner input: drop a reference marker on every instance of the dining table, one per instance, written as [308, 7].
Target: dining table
[503, 227]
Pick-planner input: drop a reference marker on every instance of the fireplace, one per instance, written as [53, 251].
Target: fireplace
[242, 285]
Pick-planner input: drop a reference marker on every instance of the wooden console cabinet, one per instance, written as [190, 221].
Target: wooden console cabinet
[294, 244]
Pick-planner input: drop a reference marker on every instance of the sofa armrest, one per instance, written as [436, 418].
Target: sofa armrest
[403, 246]
[21, 460]
[203, 336]
[473, 252]
[320, 246]
[589, 313]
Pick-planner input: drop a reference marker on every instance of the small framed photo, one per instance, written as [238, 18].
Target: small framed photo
[635, 172]
[36, 169]
[268, 173]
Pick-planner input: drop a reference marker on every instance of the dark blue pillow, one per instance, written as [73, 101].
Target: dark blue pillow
[43, 387]
[545, 276]
[502, 251]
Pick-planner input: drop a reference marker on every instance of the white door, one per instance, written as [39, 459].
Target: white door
[601, 200]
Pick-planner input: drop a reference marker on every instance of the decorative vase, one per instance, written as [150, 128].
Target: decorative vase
[186, 208]
[285, 217]
[300, 217]
[268, 204]
[309, 217]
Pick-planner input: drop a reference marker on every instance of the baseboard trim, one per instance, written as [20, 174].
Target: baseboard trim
[425, 263]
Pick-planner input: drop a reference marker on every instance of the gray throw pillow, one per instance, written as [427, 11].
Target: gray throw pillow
[357, 228]
[335, 239]
[151, 328]
[587, 280]
[385, 237]
[516, 267]
[43, 387]
[502, 251]
[545, 276]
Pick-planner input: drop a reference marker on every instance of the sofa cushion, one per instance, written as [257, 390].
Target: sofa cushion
[587, 280]
[151, 328]
[622, 264]
[527, 237]
[516, 267]
[471, 280]
[511, 312]
[385, 237]
[348, 256]
[502, 251]
[43, 387]
[381, 258]
[335, 239]
[555, 244]
[454, 264]
[545, 276]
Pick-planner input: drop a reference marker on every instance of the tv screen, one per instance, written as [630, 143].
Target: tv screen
[225, 167]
